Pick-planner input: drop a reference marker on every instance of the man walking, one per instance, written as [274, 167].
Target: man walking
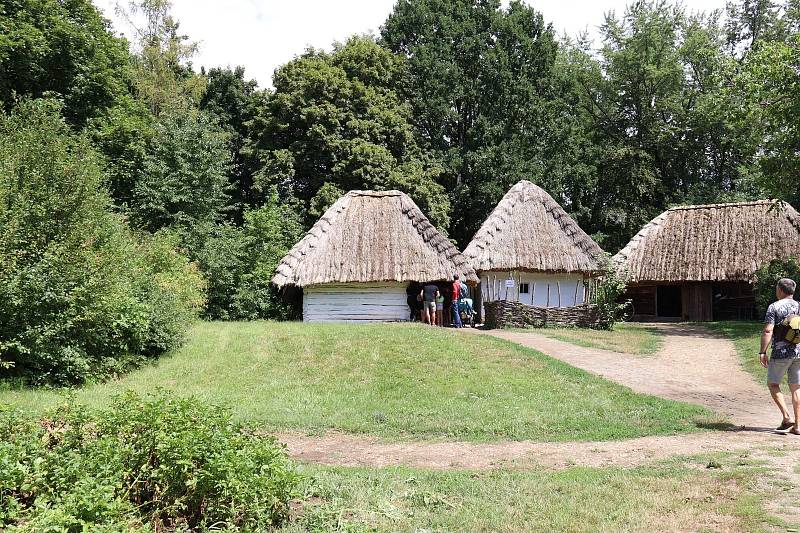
[785, 359]
[454, 305]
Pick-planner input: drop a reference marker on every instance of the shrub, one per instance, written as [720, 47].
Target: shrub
[608, 292]
[767, 277]
[167, 462]
[81, 297]
[239, 262]
[183, 180]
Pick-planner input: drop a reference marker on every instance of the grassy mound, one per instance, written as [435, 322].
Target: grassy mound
[394, 381]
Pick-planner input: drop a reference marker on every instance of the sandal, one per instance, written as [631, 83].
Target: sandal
[786, 424]
[794, 431]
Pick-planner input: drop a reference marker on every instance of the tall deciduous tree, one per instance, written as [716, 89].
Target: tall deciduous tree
[770, 86]
[63, 49]
[337, 119]
[656, 102]
[183, 181]
[233, 100]
[163, 75]
[488, 99]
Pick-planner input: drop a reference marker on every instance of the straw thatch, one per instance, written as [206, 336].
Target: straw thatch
[529, 231]
[718, 242]
[368, 237]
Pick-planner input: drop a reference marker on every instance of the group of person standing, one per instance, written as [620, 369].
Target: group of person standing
[436, 304]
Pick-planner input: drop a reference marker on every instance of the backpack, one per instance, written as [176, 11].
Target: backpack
[789, 329]
[464, 293]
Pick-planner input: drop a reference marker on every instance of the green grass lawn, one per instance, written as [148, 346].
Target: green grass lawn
[624, 338]
[747, 338]
[393, 381]
[664, 497]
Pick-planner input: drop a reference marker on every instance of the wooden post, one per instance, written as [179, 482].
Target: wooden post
[548, 295]
[575, 299]
[558, 288]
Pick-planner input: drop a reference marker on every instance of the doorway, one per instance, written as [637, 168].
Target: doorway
[669, 302]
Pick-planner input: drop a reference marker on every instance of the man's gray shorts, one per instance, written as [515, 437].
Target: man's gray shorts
[780, 367]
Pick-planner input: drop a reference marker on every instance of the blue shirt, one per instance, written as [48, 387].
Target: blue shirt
[776, 313]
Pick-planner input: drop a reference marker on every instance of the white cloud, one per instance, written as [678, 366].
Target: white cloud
[263, 34]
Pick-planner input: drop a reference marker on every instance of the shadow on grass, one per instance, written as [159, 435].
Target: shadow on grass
[734, 428]
[718, 426]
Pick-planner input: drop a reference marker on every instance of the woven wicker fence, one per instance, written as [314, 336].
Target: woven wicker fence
[505, 314]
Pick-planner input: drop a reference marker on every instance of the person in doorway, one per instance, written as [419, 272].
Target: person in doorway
[440, 310]
[454, 305]
[785, 358]
[414, 301]
[429, 294]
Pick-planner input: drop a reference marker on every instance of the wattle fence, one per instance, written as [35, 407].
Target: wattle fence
[505, 314]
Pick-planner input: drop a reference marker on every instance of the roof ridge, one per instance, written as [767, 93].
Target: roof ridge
[377, 194]
[723, 205]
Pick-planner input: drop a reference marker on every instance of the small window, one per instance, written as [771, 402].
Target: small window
[524, 288]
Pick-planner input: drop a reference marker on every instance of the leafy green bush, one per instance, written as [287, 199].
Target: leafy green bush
[171, 463]
[607, 293]
[240, 261]
[767, 277]
[81, 297]
[183, 180]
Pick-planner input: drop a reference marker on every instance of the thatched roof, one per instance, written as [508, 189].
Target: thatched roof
[718, 242]
[368, 237]
[529, 231]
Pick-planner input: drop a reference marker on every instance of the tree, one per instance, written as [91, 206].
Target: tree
[240, 261]
[123, 135]
[163, 77]
[183, 181]
[233, 101]
[63, 49]
[657, 107]
[487, 98]
[336, 118]
[769, 91]
[81, 297]
[752, 21]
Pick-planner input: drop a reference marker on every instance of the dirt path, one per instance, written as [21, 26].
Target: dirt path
[693, 365]
[337, 449]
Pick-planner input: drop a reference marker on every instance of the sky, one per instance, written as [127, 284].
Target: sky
[261, 35]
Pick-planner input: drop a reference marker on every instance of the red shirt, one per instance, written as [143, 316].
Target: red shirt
[456, 290]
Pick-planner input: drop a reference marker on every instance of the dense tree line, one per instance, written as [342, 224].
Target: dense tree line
[453, 103]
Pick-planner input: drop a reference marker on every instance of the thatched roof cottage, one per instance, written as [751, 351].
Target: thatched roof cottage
[530, 250]
[357, 261]
[697, 262]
